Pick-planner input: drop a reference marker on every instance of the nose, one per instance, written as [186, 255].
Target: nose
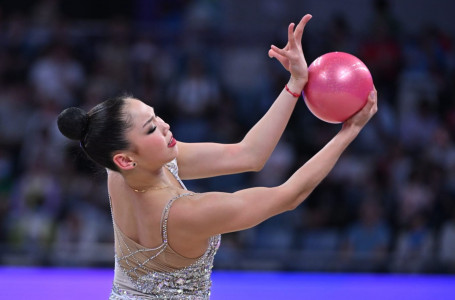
[165, 125]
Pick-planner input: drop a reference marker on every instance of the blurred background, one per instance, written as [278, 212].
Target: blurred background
[389, 204]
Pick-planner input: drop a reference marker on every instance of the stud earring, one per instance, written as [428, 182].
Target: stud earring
[134, 164]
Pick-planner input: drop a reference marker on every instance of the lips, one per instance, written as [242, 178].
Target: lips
[172, 142]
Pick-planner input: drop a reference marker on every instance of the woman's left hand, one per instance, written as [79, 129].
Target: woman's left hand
[291, 56]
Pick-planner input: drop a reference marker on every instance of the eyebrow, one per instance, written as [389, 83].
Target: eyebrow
[148, 121]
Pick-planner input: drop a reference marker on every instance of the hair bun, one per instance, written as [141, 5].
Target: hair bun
[72, 123]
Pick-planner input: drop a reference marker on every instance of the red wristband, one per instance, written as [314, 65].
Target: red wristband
[297, 95]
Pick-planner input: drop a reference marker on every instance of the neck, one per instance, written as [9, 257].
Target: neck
[142, 182]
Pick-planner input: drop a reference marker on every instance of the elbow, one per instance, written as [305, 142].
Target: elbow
[258, 161]
[252, 161]
[258, 165]
[288, 197]
[296, 201]
[252, 165]
[292, 206]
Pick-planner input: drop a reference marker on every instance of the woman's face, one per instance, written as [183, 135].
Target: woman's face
[151, 140]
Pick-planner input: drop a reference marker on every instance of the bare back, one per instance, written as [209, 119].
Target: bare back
[140, 218]
[145, 261]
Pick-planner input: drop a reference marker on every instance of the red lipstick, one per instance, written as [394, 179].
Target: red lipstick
[172, 142]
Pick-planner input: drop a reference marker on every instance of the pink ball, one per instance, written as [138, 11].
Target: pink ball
[338, 86]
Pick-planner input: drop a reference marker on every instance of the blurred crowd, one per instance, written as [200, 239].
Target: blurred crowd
[388, 205]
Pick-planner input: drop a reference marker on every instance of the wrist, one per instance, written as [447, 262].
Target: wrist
[296, 84]
[350, 130]
[293, 94]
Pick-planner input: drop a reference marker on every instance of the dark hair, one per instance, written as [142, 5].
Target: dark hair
[101, 132]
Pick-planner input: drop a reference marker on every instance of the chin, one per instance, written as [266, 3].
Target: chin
[175, 150]
[173, 157]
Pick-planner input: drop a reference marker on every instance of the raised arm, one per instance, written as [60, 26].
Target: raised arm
[198, 160]
[214, 213]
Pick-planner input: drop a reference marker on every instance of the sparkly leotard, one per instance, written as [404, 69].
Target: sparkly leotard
[161, 273]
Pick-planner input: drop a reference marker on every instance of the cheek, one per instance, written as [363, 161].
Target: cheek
[151, 144]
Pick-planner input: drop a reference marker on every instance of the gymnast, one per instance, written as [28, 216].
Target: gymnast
[165, 235]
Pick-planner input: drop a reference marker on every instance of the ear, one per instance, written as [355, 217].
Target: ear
[123, 161]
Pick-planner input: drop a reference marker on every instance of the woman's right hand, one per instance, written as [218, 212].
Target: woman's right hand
[362, 117]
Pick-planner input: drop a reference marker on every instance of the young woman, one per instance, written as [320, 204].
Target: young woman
[166, 236]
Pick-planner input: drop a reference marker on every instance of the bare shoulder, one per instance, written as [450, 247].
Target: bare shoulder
[188, 219]
[194, 210]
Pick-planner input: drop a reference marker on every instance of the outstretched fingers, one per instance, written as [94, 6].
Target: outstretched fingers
[280, 55]
[291, 38]
[301, 27]
[281, 52]
[291, 56]
[295, 33]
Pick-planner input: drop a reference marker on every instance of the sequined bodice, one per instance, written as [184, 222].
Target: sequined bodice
[161, 273]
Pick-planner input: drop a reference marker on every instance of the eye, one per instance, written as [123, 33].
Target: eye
[151, 130]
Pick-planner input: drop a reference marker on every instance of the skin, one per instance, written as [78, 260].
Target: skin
[194, 219]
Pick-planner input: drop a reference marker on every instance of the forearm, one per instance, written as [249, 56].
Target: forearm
[304, 180]
[263, 137]
[246, 208]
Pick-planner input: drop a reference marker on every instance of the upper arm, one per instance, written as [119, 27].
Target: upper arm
[201, 160]
[205, 215]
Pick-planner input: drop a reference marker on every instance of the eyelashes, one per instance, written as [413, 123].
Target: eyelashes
[151, 130]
